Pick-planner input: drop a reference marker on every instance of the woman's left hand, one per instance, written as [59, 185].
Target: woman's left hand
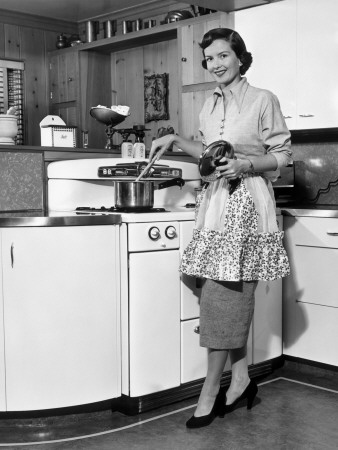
[232, 168]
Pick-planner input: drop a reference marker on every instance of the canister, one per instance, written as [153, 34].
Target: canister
[91, 30]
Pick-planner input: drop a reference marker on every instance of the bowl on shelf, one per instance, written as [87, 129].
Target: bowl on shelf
[106, 116]
[8, 128]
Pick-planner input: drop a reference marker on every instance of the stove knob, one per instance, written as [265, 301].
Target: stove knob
[154, 233]
[170, 232]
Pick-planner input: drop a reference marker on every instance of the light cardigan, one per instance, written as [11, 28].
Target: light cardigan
[254, 123]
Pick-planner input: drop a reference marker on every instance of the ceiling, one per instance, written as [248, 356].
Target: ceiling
[82, 10]
[71, 10]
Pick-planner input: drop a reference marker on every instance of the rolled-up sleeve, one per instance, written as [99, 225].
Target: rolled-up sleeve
[275, 134]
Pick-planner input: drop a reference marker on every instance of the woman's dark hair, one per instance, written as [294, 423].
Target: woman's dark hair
[236, 43]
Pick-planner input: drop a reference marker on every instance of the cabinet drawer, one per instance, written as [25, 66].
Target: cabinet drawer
[312, 231]
[194, 359]
[310, 332]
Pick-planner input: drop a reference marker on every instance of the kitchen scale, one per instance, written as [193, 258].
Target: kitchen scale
[110, 119]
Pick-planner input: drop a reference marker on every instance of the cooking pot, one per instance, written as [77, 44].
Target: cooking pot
[139, 195]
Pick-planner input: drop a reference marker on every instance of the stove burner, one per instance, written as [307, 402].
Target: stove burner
[103, 209]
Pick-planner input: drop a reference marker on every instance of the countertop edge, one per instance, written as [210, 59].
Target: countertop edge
[309, 212]
[60, 221]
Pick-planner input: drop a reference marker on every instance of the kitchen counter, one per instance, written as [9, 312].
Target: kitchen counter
[330, 211]
[56, 219]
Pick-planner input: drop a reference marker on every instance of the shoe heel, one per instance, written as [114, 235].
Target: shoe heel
[251, 396]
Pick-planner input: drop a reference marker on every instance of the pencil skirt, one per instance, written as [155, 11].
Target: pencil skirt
[226, 310]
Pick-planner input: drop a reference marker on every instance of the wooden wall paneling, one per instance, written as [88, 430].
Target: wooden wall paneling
[127, 84]
[158, 59]
[50, 40]
[54, 88]
[33, 53]
[192, 103]
[12, 41]
[95, 89]
[2, 40]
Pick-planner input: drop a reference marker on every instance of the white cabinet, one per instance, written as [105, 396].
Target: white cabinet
[190, 286]
[267, 320]
[310, 301]
[2, 348]
[269, 33]
[61, 316]
[295, 55]
[154, 322]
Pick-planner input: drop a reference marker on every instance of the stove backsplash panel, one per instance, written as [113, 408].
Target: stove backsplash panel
[316, 172]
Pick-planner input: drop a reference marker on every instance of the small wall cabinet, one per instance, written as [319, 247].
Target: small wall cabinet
[77, 82]
[290, 60]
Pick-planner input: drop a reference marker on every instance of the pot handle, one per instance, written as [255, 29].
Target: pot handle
[174, 182]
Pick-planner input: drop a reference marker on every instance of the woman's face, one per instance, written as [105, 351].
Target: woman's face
[222, 63]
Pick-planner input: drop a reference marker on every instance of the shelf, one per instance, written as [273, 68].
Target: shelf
[133, 39]
[159, 33]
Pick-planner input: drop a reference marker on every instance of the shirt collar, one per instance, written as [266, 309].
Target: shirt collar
[237, 92]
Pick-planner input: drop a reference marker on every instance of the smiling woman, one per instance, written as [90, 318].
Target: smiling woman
[236, 240]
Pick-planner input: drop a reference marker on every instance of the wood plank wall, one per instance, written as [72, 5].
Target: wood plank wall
[28, 39]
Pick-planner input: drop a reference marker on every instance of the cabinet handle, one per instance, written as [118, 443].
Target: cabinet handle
[197, 329]
[287, 117]
[70, 79]
[332, 233]
[306, 115]
[12, 255]
[184, 59]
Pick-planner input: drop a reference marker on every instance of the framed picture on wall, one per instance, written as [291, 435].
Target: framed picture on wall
[156, 97]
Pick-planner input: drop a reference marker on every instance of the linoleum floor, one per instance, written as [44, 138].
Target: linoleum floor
[296, 409]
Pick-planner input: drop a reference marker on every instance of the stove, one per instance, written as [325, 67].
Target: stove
[150, 244]
[87, 186]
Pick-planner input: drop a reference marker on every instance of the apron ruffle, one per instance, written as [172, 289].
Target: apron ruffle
[244, 242]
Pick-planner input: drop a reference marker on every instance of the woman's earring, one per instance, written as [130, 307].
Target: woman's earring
[240, 63]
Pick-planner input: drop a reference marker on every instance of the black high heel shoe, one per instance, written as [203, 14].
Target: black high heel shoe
[218, 410]
[249, 395]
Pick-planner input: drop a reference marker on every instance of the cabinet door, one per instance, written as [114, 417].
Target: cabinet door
[267, 321]
[154, 322]
[269, 33]
[192, 55]
[317, 62]
[190, 286]
[62, 332]
[2, 347]
[64, 77]
[194, 359]
[310, 304]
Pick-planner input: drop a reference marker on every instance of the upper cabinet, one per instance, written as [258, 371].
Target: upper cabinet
[189, 37]
[295, 55]
[78, 81]
[195, 83]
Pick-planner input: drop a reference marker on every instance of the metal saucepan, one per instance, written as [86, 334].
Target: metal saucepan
[139, 195]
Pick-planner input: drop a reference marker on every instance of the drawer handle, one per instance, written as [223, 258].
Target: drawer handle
[332, 233]
[306, 115]
[12, 255]
[197, 329]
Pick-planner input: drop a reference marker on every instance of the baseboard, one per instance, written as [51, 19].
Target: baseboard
[135, 405]
[308, 362]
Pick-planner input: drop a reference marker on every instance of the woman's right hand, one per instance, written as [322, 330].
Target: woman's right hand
[161, 145]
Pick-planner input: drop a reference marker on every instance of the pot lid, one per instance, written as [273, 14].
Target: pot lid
[210, 158]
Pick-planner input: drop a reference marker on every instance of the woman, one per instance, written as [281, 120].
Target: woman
[236, 240]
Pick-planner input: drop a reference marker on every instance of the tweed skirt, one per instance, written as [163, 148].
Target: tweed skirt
[226, 310]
